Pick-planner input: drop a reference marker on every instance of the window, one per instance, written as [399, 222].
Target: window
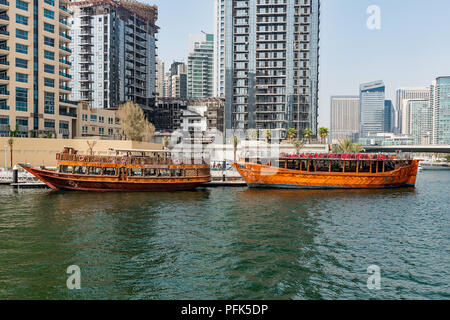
[49, 14]
[21, 48]
[21, 63]
[101, 119]
[21, 77]
[79, 170]
[21, 5]
[93, 118]
[50, 2]
[21, 99]
[85, 129]
[49, 82]
[65, 169]
[84, 117]
[49, 41]
[49, 103]
[21, 19]
[49, 27]
[49, 55]
[49, 68]
[21, 34]
[109, 171]
[95, 171]
[101, 130]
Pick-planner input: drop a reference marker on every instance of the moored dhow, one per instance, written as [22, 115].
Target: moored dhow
[128, 170]
[330, 171]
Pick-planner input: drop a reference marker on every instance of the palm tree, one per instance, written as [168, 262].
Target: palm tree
[348, 146]
[323, 133]
[298, 145]
[235, 141]
[267, 134]
[166, 143]
[291, 134]
[253, 134]
[307, 133]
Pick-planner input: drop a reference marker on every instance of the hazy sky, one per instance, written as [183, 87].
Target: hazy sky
[410, 50]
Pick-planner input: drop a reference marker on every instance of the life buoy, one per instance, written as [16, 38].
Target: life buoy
[81, 158]
[124, 160]
[176, 161]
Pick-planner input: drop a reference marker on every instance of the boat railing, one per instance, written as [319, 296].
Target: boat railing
[126, 160]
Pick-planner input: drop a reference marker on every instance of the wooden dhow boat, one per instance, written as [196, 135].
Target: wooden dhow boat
[330, 171]
[128, 170]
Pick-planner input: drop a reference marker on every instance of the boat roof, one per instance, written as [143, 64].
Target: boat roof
[139, 150]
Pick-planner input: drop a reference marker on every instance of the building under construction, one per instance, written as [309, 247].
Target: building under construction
[113, 52]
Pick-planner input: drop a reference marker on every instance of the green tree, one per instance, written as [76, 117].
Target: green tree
[323, 133]
[166, 143]
[298, 145]
[253, 134]
[347, 146]
[133, 122]
[267, 135]
[235, 141]
[308, 133]
[291, 134]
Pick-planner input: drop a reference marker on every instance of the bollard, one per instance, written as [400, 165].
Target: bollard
[15, 176]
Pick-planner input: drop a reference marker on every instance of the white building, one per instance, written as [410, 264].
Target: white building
[344, 117]
[401, 109]
[420, 124]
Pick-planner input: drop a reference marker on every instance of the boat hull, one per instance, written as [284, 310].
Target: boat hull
[58, 181]
[264, 176]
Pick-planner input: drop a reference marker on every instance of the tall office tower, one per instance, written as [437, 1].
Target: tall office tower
[402, 113]
[178, 81]
[344, 117]
[114, 51]
[420, 124]
[167, 85]
[389, 116]
[160, 77]
[34, 76]
[371, 108]
[266, 61]
[440, 104]
[200, 68]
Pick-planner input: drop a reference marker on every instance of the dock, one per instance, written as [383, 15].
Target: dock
[28, 185]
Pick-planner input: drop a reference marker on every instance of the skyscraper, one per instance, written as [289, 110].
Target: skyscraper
[344, 117]
[178, 80]
[371, 108]
[440, 104]
[34, 69]
[389, 116]
[420, 124]
[160, 78]
[200, 73]
[266, 63]
[114, 51]
[401, 110]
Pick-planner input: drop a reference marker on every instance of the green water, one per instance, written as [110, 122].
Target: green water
[228, 243]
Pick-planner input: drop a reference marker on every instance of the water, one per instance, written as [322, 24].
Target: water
[231, 243]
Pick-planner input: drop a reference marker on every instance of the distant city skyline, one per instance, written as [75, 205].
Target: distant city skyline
[403, 53]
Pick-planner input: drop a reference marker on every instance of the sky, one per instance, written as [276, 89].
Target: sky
[411, 48]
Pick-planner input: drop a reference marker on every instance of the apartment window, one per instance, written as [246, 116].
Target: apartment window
[49, 14]
[49, 55]
[21, 5]
[21, 99]
[49, 41]
[84, 117]
[21, 77]
[49, 103]
[21, 34]
[49, 68]
[85, 129]
[21, 19]
[49, 27]
[93, 118]
[49, 124]
[50, 2]
[21, 48]
[49, 82]
[101, 119]
[110, 120]
[110, 132]
[101, 130]
[21, 63]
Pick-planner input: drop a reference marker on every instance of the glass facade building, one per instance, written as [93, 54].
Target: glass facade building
[266, 63]
[371, 108]
[440, 102]
[200, 73]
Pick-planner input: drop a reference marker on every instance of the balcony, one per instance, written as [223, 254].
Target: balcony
[4, 3]
[66, 101]
[65, 49]
[65, 10]
[62, 87]
[66, 36]
[65, 62]
[4, 17]
[4, 33]
[4, 92]
[4, 63]
[66, 75]
[4, 77]
[4, 48]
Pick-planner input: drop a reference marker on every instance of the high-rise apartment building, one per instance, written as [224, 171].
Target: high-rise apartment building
[389, 116]
[266, 63]
[200, 69]
[177, 81]
[440, 104]
[114, 52]
[160, 74]
[371, 108]
[420, 124]
[344, 117]
[401, 109]
[34, 69]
